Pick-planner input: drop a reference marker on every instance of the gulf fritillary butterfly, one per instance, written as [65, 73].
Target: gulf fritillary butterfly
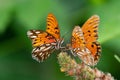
[84, 42]
[45, 42]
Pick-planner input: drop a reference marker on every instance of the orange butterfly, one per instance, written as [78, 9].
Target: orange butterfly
[44, 42]
[84, 41]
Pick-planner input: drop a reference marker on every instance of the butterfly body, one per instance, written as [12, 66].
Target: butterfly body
[45, 42]
[84, 42]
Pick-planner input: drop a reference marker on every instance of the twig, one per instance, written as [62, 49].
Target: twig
[80, 71]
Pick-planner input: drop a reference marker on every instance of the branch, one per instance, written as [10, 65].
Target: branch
[80, 71]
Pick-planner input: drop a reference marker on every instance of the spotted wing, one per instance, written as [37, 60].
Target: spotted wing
[78, 46]
[42, 52]
[90, 31]
[95, 50]
[77, 38]
[78, 41]
[43, 44]
[52, 26]
[40, 37]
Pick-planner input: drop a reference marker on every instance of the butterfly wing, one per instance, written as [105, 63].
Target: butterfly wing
[79, 47]
[90, 31]
[77, 38]
[95, 50]
[43, 43]
[52, 26]
[77, 41]
[40, 37]
[41, 53]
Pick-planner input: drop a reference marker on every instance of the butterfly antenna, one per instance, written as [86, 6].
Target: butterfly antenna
[68, 42]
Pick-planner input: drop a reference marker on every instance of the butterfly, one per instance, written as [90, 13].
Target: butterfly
[84, 41]
[45, 42]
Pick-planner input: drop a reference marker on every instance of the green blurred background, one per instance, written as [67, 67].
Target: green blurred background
[19, 16]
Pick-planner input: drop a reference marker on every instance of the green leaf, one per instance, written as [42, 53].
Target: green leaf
[117, 58]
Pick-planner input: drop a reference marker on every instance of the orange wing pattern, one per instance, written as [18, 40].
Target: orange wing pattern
[77, 38]
[44, 42]
[40, 38]
[79, 46]
[84, 41]
[52, 26]
[90, 29]
[95, 50]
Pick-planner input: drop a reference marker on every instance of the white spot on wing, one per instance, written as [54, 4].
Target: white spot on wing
[37, 32]
[87, 50]
[81, 34]
[80, 53]
[47, 44]
[74, 49]
[29, 33]
[48, 55]
[33, 49]
[53, 43]
[36, 50]
[78, 48]
[42, 47]
[40, 53]
[47, 48]
[33, 36]
[35, 58]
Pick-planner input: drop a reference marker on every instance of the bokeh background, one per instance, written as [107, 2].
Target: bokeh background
[19, 16]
